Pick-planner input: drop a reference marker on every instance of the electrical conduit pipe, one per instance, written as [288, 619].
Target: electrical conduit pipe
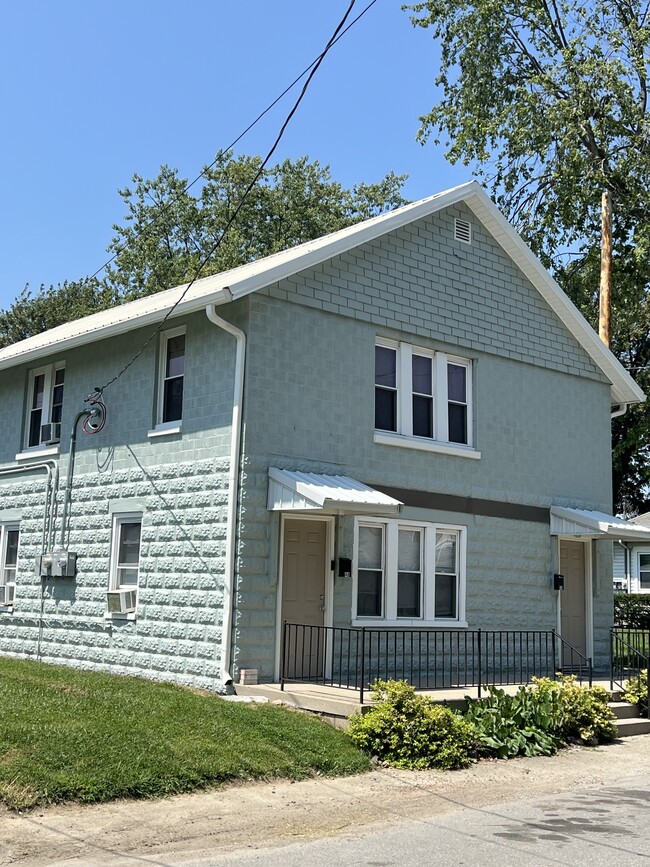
[51, 485]
[233, 486]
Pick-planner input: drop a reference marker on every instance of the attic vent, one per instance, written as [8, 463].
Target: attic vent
[463, 231]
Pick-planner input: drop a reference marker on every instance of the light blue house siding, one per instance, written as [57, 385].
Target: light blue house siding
[541, 411]
[179, 484]
[540, 422]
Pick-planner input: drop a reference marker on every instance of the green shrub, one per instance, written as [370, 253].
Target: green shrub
[632, 610]
[412, 731]
[637, 689]
[582, 711]
[512, 725]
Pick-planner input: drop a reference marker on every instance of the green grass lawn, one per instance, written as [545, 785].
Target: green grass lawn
[68, 735]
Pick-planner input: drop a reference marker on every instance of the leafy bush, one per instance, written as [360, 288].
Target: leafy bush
[582, 711]
[522, 724]
[637, 689]
[632, 610]
[412, 731]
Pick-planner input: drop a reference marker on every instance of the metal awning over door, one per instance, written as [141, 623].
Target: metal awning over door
[588, 524]
[290, 490]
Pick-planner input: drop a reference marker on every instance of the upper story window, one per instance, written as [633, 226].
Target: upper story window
[423, 394]
[409, 573]
[44, 405]
[171, 377]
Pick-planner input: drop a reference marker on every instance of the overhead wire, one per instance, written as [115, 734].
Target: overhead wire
[164, 206]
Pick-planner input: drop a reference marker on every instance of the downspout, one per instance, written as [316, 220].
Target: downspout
[233, 486]
[622, 409]
[628, 564]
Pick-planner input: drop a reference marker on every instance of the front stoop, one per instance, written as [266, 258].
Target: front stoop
[628, 720]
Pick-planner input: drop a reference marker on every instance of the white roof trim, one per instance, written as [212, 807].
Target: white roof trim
[580, 522]
[294, 491]
[248, 278]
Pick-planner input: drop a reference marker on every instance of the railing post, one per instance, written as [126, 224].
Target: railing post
[611, 660]
[591, 672]
[363, 663]
[555, 658]
[480, 662]
[283, 651]
[647, 701]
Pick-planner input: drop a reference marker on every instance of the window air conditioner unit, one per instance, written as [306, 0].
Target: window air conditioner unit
[121, 601]
[7, 594]
[51, 433]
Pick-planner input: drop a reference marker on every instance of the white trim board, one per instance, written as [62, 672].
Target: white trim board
[241, 281]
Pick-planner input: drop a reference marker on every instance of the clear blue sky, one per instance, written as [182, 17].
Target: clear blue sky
[93, 92]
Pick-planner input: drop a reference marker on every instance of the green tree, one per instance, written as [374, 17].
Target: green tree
[168, 231]
[548, 100]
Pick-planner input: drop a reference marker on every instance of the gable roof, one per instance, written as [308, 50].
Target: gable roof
[239, 282]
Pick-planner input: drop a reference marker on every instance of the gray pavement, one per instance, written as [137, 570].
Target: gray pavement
[599, 826]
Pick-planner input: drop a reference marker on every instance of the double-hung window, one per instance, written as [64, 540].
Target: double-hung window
[125, 569]
[422, 396]
[409, 573]
[9, 538]
[44, 405]
[171, 378]
[644, 571]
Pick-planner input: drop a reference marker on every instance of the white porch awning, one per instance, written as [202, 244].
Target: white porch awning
[580, 522]
[291, 491]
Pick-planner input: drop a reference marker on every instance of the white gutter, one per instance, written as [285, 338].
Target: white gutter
[233, 487]
[622, 409]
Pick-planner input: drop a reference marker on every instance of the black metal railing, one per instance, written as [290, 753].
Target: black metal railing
[430, 659]
[630, 658]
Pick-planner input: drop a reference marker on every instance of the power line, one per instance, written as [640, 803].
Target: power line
[164, 206]
[233, 217]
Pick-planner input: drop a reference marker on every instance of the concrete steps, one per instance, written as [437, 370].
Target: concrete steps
[628, 720]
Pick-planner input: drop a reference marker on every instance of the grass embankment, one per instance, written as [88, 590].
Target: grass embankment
[69, 735]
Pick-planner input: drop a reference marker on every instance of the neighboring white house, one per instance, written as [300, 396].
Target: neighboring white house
[632, 560]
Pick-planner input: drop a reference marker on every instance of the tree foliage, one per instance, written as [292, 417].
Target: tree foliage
[549, 100]
[168, 231]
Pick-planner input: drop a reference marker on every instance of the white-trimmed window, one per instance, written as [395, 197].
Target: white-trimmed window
[9, 540]
[171, 376]
[125, 559]
[423, 394]
[644, 570]
[408, 573]
[44, 405]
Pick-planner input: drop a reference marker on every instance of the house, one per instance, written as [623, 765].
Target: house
[632, 558]
[401, 429]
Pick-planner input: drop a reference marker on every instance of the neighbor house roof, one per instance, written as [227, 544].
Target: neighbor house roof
[241, 281]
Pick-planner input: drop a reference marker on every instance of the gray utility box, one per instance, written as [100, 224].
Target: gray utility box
[59, 563]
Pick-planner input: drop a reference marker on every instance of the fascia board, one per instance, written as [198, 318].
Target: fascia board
[315, 252]
[107, 323]
[624, 388]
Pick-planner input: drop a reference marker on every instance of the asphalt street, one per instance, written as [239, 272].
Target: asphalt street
[599, 826]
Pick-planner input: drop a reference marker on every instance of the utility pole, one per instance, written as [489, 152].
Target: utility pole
[604, 327]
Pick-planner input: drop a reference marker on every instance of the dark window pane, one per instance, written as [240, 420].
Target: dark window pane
[175, 356]
[644, 561]
[37, 394]
[422, 416]
[369, 594]
[644, 580]
[59, 376]
[457, 423]
[457, 383]
[11, 554]
[422, 380]
[385, 366]
[129, 549]
[173, 400]
[385, 409]
[446, 596]
[408, 594]
[35, 427]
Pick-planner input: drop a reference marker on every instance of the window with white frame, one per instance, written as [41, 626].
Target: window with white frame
[9, 538]
[125, 561]
[644, 571]
[44, 405]
[409, 573]
[423, 394]
[171, 377]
